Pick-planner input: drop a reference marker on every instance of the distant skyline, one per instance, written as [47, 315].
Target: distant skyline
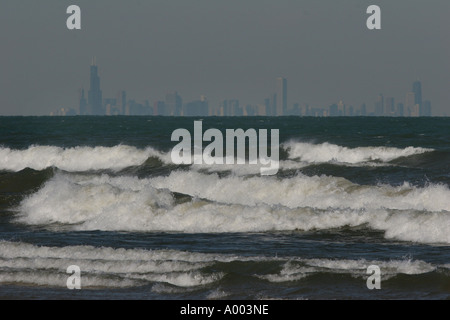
[223, 50]
[274, 105]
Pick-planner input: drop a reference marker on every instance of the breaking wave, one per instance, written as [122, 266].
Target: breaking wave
[237, 204]
[79, 159]
[76, 159]
[101, 267]
[321, 192]
[169, 270]
[295, 270]
[327, 152]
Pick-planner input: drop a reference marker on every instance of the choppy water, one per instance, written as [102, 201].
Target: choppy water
[102, 193]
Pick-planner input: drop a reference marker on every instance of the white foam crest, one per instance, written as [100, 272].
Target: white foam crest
[102, 267]
[327, 152]
[59, 279]
[289, 272]
[139, 207]
[166, 288]
[67, 201]
[248, 169]
[297, 269]
[22, 263]
[98, 265]
[107, 203]
[406, 266]
[182, 279]
[300, 203]
[431, 227]
[19, 250]
[322, 192]
[217, 294]
[77, 159]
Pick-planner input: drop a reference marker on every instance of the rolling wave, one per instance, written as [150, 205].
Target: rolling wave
[320, 192]
[106, 267]
[327, 152]
[226, 205]
[297, 269]
[101, 267]
[76, 159]
[79, 159]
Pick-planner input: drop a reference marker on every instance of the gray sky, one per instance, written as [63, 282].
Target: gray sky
[224, 49]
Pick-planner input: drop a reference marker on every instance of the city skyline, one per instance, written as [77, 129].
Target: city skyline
[224, 50]
[275, 105]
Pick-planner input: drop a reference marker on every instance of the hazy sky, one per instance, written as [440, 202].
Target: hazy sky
[224, 49]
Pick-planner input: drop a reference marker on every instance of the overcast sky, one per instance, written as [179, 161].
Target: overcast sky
[224, 49]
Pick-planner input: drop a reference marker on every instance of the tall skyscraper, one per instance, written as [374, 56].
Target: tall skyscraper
[417, 89]
[389, 107]
[83, 104]
[272, 106]
[124, 102]
[410, 104]
[341, 109]
[400, 110]
[267, 105]
[426, 108]
[281, 107]
[379, 106]
[234, 107]
[173, 104]
[363, 110]
[158, 108]
[95, 94]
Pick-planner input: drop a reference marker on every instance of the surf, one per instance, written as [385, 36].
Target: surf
[76, 159]
[328, 152]
[103, 202]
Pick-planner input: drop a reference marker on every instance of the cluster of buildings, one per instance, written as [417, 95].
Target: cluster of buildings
[413, 105]
[93, 103]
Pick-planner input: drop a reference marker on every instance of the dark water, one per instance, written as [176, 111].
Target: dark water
[102, 193]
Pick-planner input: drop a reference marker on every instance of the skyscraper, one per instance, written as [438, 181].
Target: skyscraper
[410, 105]
[95, 94]
[83, 104]
[271, 105]
[426, 108]
[174, 104]
[124, 102]
[281, 107]
[363, 110]
[158, 108]
[400, 110]
[389, 107]
[333, 110]
[417, 89]
[341, 109]
[196, 108]
[379, 106]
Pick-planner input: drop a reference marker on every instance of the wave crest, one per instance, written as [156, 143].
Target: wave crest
[76, 159]
[327, 152]
[299, 203]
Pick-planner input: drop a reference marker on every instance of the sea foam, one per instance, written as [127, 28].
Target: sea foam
[237, 204]
[82, 158]
[168, 270]
[102, 267]
[328, 152]
[76, 159]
